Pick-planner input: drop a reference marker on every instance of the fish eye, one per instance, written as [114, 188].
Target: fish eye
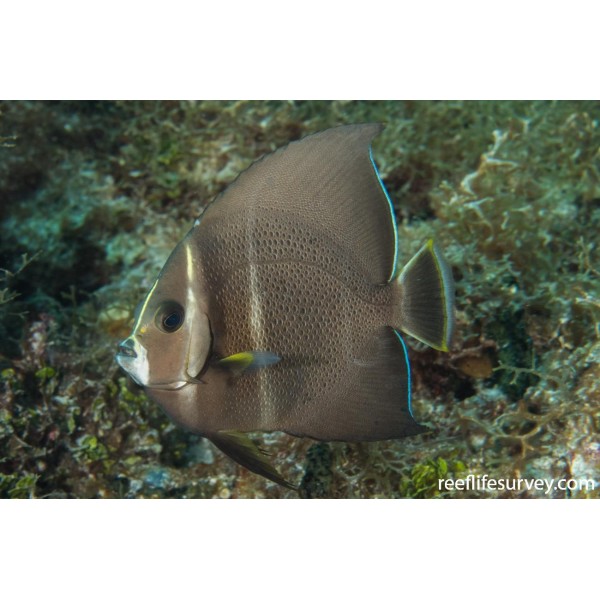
[169, 316]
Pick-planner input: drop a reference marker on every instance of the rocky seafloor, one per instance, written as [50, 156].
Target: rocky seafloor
[94, 196]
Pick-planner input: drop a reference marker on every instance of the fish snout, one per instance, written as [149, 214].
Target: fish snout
[126, 348]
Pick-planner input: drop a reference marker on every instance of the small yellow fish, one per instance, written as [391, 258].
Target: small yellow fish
[281, 308]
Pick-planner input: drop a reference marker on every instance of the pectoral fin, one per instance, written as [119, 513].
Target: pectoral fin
[244, 451]
[247, 362]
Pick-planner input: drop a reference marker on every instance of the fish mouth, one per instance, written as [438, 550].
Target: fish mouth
[126, 349]
[132, 358]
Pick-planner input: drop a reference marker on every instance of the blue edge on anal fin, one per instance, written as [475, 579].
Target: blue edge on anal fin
[407, 372]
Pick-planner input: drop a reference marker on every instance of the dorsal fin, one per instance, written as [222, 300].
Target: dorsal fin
[330, 182]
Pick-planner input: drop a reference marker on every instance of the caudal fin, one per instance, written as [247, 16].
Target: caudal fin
[425, 306]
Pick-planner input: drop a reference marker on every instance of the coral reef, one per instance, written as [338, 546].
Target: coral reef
[95, 195]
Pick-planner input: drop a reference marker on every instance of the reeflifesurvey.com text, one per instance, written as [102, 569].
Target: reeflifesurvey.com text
[483, 483]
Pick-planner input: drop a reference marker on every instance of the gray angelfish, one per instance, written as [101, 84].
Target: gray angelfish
[281, 309]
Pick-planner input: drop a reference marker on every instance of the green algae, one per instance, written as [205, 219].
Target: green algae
[425, 478]
[99, 193]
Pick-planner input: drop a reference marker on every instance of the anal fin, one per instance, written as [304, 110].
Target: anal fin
[371, 399]
[239, 447]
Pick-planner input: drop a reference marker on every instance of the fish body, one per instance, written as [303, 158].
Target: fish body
[281, 308]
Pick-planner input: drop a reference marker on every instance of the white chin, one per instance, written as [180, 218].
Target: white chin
[137, 368]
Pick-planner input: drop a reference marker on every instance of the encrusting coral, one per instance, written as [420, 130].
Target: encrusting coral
[95, 196]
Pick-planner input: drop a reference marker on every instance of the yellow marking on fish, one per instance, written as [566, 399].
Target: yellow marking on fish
[242, 362]
[241, 359]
